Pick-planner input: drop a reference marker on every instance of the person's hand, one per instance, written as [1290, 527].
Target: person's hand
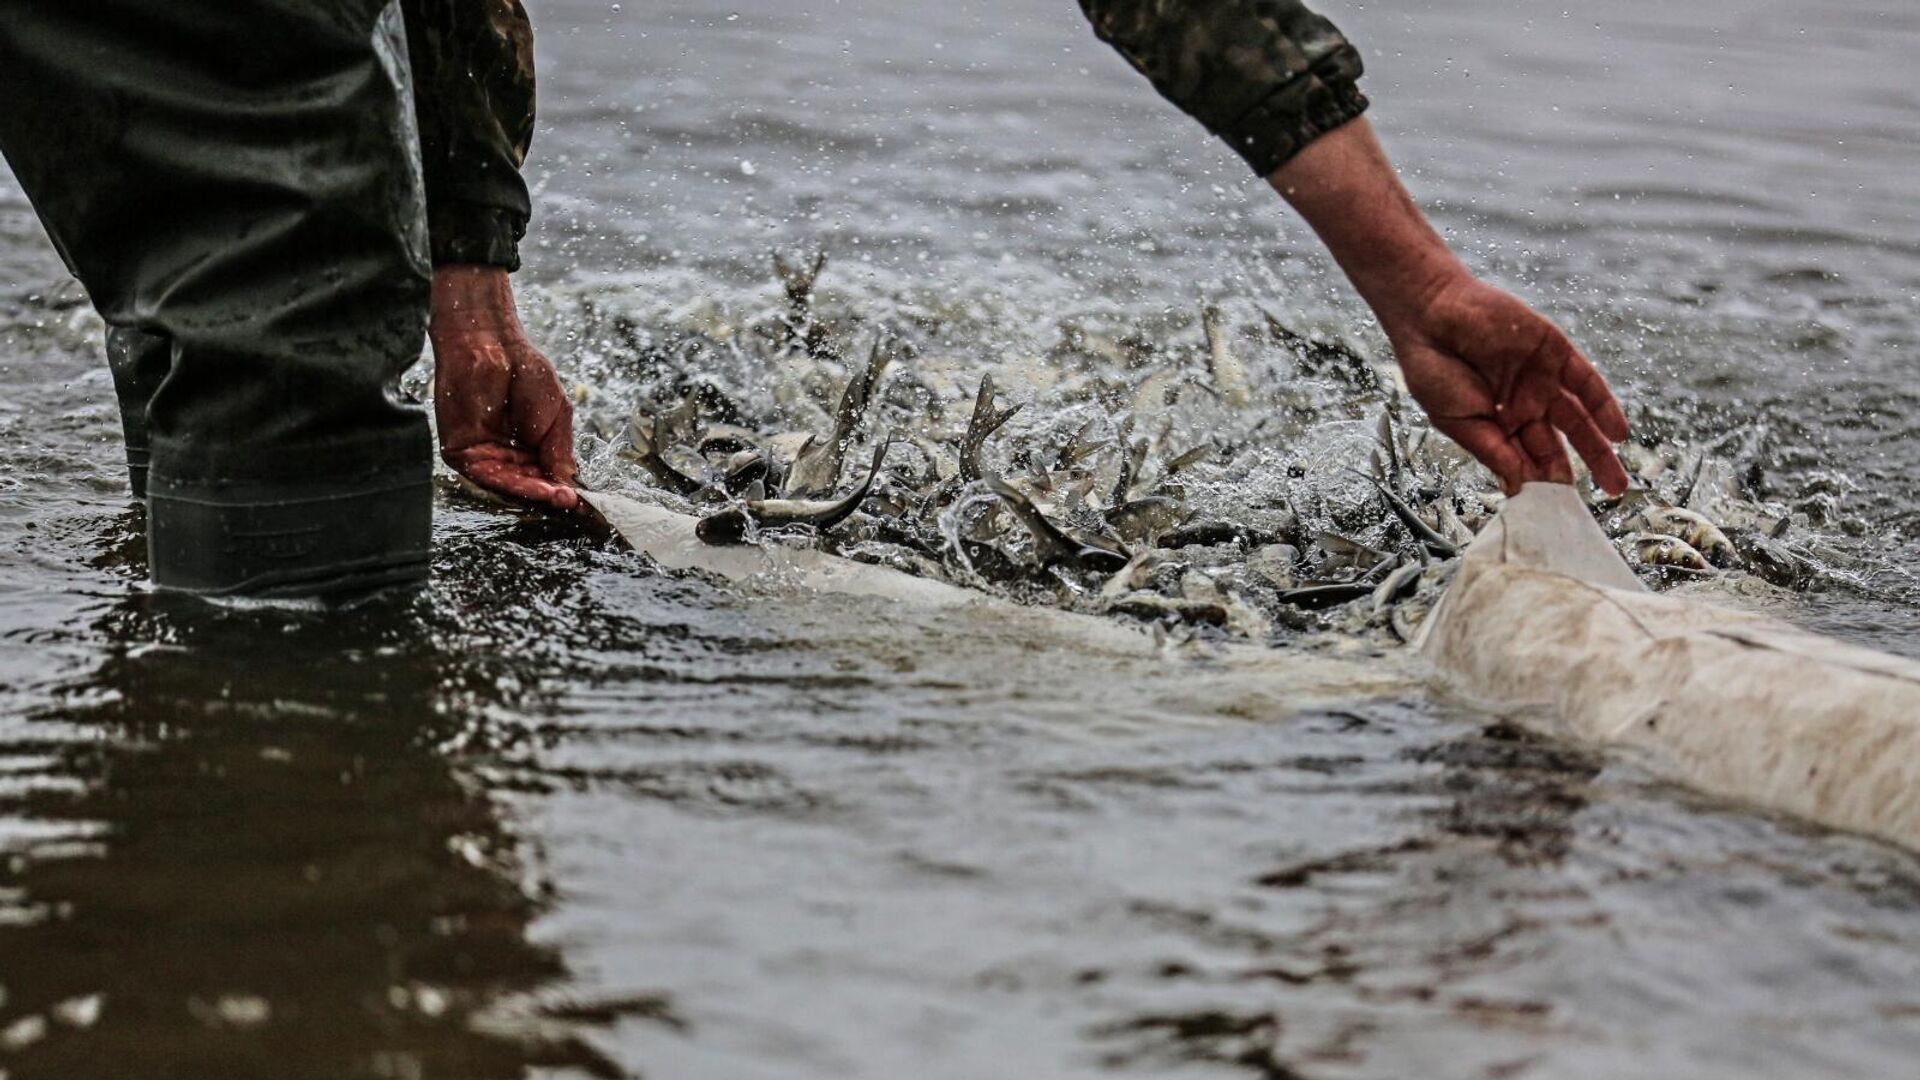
[505, 421]
[1504, 382]
[1492, 374]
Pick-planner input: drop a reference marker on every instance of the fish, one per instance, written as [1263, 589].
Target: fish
[1389, 466]
[1079, 448]
[984, 422]
[745, 469]
[798, 281]
[1422, 533]
[728, 439]
[1074, 490]
[1136, 575]
[1133, 459]
[1141, 495]
[786, 446]
[731, 526]
[1343, 552]
[1772, 561]
[1054, 546]
[801, 331]
[1229, 374]
[1407, 618]
[1318, 357]
[1451, 527]
[1653, 549]
[644, 449]
[1188, 459]
[816, 470]
[1699, 533]
[1396, 584]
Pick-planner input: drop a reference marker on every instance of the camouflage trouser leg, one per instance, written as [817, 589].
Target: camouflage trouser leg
[237, 184]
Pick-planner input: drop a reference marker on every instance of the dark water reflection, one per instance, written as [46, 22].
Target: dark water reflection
[252, 851]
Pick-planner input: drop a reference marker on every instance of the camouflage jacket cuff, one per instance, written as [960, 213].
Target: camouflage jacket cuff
[472, 233]
[1298, 112]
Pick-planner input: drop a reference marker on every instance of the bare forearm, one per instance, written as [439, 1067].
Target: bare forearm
[1347, 190]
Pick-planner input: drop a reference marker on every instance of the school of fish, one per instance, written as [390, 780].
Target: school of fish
[1249, 479]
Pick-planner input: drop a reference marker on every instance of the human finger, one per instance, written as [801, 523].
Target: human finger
[1491, 447]
[522, 483]
[1542, 444]
[1572, 418]
[1537, 382]
[513, 472]
[556, 447]
[1585, 382]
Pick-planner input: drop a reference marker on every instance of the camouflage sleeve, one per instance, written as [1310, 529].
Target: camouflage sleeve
[1268, 76]
[473, 91]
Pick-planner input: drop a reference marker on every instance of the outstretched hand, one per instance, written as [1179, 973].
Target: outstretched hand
[1492, 374]
[1504, 382]
[505, 421]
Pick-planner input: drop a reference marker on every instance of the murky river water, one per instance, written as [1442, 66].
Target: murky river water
[563, 815]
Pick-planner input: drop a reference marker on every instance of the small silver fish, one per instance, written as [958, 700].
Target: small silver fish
[1422, 532]
[1343, 552]
[1321, 597]
[984, 422]
[730, 526]
[1054, 546]
[1702, 535]
[816, 470]
[644, 448]
[1133, 458]
[1188, 459]
[746, 468]
[1653, 549]
[1080, 447]
[1395, 585]
[1229, 374]
[1318, 357]
[798, 281]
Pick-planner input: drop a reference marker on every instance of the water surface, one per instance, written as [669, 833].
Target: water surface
[568, 816]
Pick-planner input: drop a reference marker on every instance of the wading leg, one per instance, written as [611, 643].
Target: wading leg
[241, 181]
